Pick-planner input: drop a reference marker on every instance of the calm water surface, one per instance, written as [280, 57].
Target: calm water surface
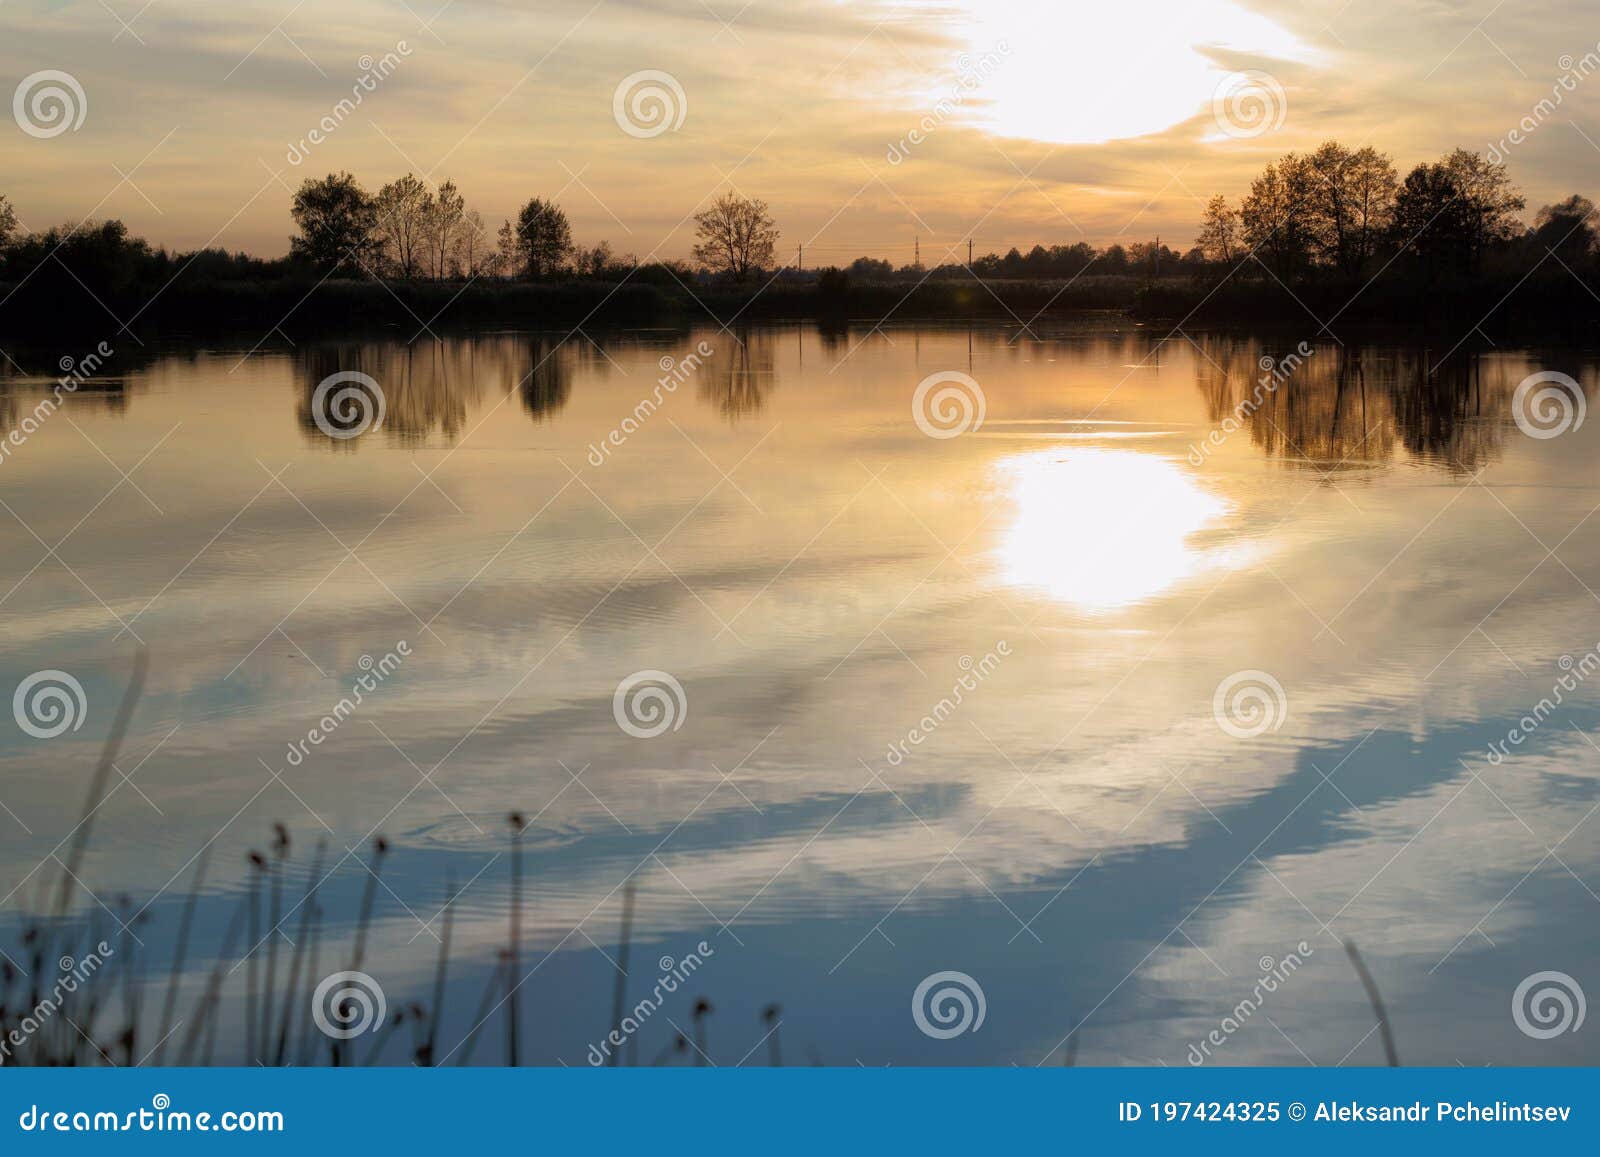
[947, 702]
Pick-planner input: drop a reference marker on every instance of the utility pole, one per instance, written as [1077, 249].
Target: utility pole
[917, 261]
[800, 257]
[969, 254]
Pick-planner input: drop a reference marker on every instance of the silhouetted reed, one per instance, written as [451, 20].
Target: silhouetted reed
[103, 1019]
[772, 1016]
[1376, 1001]
[619, 994]
[517, 824]
[702, 1009]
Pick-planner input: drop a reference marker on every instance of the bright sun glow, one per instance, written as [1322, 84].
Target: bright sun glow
[1103, 529]
[1083, 73]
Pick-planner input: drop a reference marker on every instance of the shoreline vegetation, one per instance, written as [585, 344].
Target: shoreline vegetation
[1321, 240]
[115, 1001]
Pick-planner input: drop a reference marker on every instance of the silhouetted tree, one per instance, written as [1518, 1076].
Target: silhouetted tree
[593, 262]
[1219, 232]
[1277, 215]
[1430, 220]
[538, 243]
[445, 225]
[474, 255]
[63, 262]
[1351, 203]
[1566, 229]
[405, 211]
[336, 218]
[1490, 202]
[8, 222]
[736, 234]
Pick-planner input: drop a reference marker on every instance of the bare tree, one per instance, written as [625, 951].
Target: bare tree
[474, 255]
[405, 209]
[1219, 233]
[444, 227]
[736, 235]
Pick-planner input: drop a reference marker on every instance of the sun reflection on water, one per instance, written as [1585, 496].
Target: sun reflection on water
[1105, 529]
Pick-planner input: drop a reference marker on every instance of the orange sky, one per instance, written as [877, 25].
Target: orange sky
[1051, 122]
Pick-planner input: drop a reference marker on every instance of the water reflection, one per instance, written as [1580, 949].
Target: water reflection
[812, 570]
[1352, 407]
[739, 381]
[1103, 529]
[543, 367]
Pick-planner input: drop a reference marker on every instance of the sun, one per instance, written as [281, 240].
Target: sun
[1077, 72]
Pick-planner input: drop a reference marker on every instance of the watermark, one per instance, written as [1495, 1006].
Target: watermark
[347, 404]
[1274, 973]
[948, 404]
[947, 1004]
[1573, 73]
[674, 974]
[973, 675]
[1274, 373]
[970, 75]
[48, 103]
[1249, 703]
[49, 703]
[74, 974]
[373, 73]
[1249, 104]
[376, 672]
[649, 703]
[1577, 672]
[674, 372]
[1548, 404]
[161, 1117]
[346, 1005]
[1548, 1004]
[648, 103]
[74, 372]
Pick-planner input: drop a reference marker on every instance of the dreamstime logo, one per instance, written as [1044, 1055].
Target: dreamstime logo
[973, 673]
[970, 74]
[649, 703]
[1574, 673]
[347, 1004]
[948, 1004]
[1274, 974]
[674, 975]
[1249, 703]
[1249, 104]
[1573, 73]
[374, 672]
[648, 103]
[48, 103]
[347, 404]
[75, 973]
[1550, 411]
[1548, 1004]
[1274, 372]
[74, 372]
[948, 404]
[674, 372]
[49, 703]
[373, 72]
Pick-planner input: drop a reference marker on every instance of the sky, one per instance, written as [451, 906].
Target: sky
[866, 126]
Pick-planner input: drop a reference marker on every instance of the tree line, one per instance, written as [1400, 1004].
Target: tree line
[407, 231]
[1323, 218]
[1338, 213]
